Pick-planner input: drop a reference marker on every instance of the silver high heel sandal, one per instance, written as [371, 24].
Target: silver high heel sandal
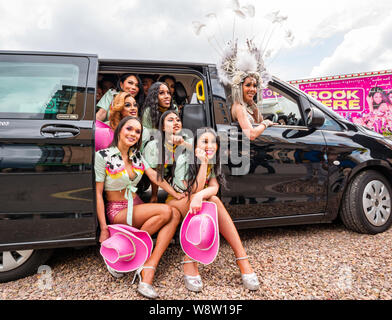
[113, 272]
[192, 283]
[249, 280]
[143, 288]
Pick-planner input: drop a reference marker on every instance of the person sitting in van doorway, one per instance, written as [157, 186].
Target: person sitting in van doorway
[158, 100]
[161, 155]
[177, 91]
[128, 83]
[118, 169]
[124, 105]
[171, 83]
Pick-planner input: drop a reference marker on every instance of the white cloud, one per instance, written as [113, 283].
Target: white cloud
[162, 30]
[363, 49]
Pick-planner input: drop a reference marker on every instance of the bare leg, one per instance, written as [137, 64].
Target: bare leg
[152, 217]
[190, 269]
[154, 193]
[148, 217]
[163, 240]
[230, 233]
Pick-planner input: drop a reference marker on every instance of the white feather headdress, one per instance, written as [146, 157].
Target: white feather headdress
[239, 60]
[237, 64]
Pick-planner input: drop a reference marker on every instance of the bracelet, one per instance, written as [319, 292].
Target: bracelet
[264, 122]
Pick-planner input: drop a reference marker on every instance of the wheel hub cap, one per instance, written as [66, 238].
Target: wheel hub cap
[10, 260]
[376, 203]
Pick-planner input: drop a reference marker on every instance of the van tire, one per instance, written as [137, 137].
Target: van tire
[353, 207]
[28, 267]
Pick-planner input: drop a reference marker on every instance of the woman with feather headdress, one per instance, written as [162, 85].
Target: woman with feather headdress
[244, 71]
[241, 66]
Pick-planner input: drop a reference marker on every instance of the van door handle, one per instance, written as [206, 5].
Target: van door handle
[59, 131]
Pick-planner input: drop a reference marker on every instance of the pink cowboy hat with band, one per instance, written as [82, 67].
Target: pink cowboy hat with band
[199, 234]
[127, 248]
[103, 135]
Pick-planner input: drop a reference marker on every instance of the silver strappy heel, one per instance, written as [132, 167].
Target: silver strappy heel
[249, 280]
[192, 283]
[113, 272]
[144, 288]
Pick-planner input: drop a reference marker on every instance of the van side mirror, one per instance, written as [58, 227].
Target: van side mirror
[315, 118]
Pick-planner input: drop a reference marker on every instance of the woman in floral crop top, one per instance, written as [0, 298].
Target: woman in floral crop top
[118, 169]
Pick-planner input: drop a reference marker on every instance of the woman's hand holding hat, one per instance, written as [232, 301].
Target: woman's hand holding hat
[104, 234]
[195, 204]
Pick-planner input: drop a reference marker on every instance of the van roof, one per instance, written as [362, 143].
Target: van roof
[48, 53]
[113, 61]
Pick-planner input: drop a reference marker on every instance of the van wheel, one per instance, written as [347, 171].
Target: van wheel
[366, 206]
[21, 263]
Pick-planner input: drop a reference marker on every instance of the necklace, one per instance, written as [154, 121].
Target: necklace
[169, 147]
[172, 150]
[162, 109]
[249, 109]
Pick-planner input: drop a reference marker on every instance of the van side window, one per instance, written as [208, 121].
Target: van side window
[39, 87]
[330, 124]
[281, 108]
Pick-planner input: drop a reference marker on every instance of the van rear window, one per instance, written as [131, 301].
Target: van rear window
[42, 87]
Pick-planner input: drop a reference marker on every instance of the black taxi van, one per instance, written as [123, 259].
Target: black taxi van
[312, 168]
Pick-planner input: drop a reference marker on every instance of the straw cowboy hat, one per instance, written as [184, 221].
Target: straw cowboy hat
[199, 234]
[127, 248]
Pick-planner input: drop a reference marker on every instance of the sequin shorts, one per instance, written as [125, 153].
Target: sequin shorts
[112, 208]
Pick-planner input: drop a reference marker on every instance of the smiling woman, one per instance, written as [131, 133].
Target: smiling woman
[118, 169]
[245, 111]
[129, 83]
[158, 101]
[124, 104]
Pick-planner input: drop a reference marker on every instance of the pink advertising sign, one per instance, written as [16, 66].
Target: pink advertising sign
[366, 100]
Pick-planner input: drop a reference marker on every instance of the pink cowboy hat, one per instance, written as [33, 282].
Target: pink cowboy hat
[199, 234]
[103, 135]
[127, 248]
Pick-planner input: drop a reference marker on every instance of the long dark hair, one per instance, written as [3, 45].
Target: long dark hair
[162, 148]
[194, 165]
[151, 103]
[140, 96]
[135, 148]
[179, 99]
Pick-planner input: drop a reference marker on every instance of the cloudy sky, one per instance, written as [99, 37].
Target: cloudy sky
[330, 37]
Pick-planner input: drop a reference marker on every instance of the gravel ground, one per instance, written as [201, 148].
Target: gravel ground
[295, 263]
